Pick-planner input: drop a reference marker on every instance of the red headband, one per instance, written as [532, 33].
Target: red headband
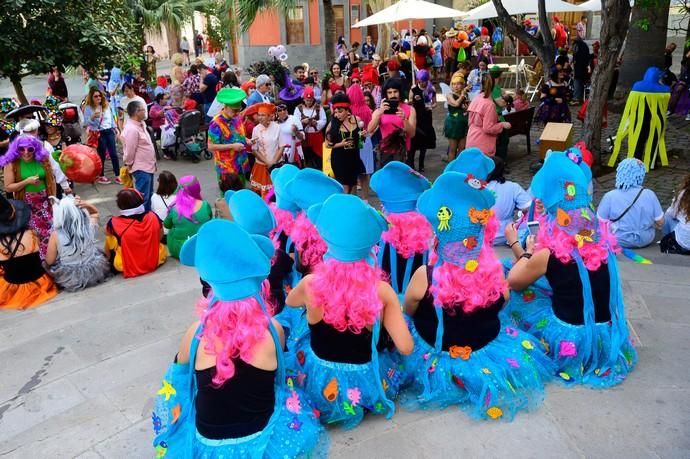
[341, 105]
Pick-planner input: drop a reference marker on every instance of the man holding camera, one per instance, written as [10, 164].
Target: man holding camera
[397, 122]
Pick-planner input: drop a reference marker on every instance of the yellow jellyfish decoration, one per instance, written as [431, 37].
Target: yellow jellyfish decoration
[643, 121]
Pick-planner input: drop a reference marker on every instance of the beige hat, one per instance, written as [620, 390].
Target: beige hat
[452, 33]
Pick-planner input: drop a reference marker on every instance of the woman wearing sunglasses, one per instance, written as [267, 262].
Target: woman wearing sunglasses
[29, 176]
[102, 131]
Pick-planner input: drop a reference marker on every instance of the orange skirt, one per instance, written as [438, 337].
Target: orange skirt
[28, 295]
[260, 180]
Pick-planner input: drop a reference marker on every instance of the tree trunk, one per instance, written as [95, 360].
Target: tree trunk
[545, 48]
[615, 15]
[644, 48]
[19, 89]
[329, 39]
[173, 34]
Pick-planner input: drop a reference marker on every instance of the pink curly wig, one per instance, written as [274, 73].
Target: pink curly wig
[232, 329]
[24, 141]
[284, 221]
[409, 233]
[188, 193]
[358, 104]
[453, 286]
[347, 293]
[563, 245]
[308, 242]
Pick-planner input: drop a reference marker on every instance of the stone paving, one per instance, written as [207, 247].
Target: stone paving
[79, 373]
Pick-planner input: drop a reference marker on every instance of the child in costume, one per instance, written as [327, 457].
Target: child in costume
[347, 300]
[404, 247]
[187, 214]
[226, 395]
[463, 356]
[284, 211]
[255, 217]
[582, 323]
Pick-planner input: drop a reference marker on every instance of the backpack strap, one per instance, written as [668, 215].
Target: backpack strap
[629, 207]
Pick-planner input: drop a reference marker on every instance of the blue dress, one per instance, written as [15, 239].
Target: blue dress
[579, 317]
[472, 361]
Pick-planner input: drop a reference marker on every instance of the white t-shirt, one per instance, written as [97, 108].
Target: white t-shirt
[682, 229]
[124, 101]
[267, 140]
[160, 205]
[636, 228]
[311, 113]
[509, 196]
[286, 136]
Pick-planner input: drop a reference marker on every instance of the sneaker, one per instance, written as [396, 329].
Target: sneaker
[103, 180]
[687, 118]
[118, 180]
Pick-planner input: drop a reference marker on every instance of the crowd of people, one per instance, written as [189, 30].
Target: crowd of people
[317, 308]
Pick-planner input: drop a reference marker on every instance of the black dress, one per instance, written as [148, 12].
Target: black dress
[345, 162]
[425, 124]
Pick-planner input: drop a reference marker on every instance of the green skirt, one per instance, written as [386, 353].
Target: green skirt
[455, 126]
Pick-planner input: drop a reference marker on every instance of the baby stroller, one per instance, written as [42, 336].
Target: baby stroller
[190, 140]
[71, 122]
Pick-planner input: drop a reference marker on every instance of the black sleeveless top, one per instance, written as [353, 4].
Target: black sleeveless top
[22, 269]
[475, 329]
[343, 347]
[417, 261]
[568, 301]
[280, 271]
[243, 405]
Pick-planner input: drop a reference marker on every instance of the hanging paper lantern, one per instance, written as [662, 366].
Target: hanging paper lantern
[80, 163]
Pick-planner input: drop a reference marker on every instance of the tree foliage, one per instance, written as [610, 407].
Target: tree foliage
[40, 33]
[543, 45]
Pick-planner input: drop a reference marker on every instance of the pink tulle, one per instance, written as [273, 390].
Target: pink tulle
[562, 245]
[188, 194]
[347, 293]
[453, 286]
[284, 221]
[409, 233]
[232, 329]
[308, 243]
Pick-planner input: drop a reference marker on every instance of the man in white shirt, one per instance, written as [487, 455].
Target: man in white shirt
[129, 96]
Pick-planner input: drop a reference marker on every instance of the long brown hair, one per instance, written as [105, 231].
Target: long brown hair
[487, 85]
[89, 98]
[683, 204]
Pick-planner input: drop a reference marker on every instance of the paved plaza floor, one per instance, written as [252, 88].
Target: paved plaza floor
[78, 374]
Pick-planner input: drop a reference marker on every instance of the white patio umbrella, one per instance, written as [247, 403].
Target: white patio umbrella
[406, 10]
[488, 10]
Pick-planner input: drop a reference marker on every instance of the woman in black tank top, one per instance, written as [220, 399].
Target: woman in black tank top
[579, 315]
[463, 356]
[347, 301]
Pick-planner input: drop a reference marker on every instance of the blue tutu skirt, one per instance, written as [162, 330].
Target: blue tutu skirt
[294, 323]
[342, 392]
[495, 382]
[602, 367]
[293, 431]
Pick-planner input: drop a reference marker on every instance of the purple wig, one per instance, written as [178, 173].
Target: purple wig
[188, 193]
[24, 141]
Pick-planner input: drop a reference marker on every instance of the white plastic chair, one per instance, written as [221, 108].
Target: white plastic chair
[445, 90]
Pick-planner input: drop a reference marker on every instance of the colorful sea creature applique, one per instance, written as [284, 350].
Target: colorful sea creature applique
[167, 390]
[569, 191]
[470, 242]
[573, 156]
[176, 411]
[547, 346]
[458, 382]
[462, 352]
[584, 213]
[444, 215]
[567, 349]
[584, 236]
[565, 376]
[295, 424]
[528, 295]
[527, 344]
[349, 408]
[494, 412]
[479, 216]
[161, 450]
[157, 423]
[354, 395]
[292, 403]
[471, 266]
[512, 332]
[330, 392]
[432, 367]
[512, 362]
[486, 371]
[474, 182]
[384, 384]
[541, 324]
[562, 218]
[300, 357]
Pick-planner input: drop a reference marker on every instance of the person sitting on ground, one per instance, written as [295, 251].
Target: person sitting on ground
[132, 239]
[186, 215]
[23, 281]
[164, 197]
[74, 259]
[677, 223]
[633, 211]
